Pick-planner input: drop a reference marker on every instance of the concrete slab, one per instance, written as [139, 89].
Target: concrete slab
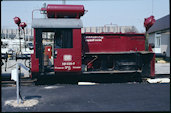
[87, 83]
[159, 80]
[161, 68]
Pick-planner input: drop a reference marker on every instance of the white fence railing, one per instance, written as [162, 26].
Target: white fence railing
[12, 33]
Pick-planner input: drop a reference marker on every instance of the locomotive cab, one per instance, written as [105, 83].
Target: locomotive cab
[57, 43]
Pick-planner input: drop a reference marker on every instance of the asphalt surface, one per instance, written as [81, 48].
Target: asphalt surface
[111, 94]
[100, 97]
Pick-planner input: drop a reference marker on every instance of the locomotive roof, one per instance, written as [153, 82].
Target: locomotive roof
[56, 23]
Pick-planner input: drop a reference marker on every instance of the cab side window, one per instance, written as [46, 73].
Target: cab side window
[63, 38]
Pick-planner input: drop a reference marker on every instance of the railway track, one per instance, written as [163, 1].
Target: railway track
[31, 82]
[23, 82]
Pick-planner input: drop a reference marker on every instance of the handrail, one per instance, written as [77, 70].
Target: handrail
[33, 12]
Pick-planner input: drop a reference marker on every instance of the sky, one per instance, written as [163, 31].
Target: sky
[100, 13]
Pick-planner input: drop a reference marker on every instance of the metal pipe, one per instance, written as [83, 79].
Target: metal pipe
[33, 12]
[6, 59]
[24, 39]
[19, 39]
[17, 82]
[93, 60]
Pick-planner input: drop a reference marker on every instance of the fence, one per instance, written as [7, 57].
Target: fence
[12, 33]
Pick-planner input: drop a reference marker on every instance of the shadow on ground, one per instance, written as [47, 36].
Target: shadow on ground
[97, 78]
[32, 97]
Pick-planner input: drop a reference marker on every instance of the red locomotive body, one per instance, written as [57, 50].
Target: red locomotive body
[69, 59]
[88, 52]
[114, 42]
[61, 11]
[116, 53]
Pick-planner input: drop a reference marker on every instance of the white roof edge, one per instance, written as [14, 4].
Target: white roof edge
[56, 23]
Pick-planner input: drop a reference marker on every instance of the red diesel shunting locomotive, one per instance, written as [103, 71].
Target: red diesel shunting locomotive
[70, 51]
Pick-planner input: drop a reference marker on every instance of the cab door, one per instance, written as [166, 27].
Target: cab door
[67, 50]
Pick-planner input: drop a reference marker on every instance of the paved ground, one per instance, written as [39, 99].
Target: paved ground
[101, 97]
[109, 95]
[162, 68]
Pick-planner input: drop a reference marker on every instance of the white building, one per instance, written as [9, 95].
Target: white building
[159, 35]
